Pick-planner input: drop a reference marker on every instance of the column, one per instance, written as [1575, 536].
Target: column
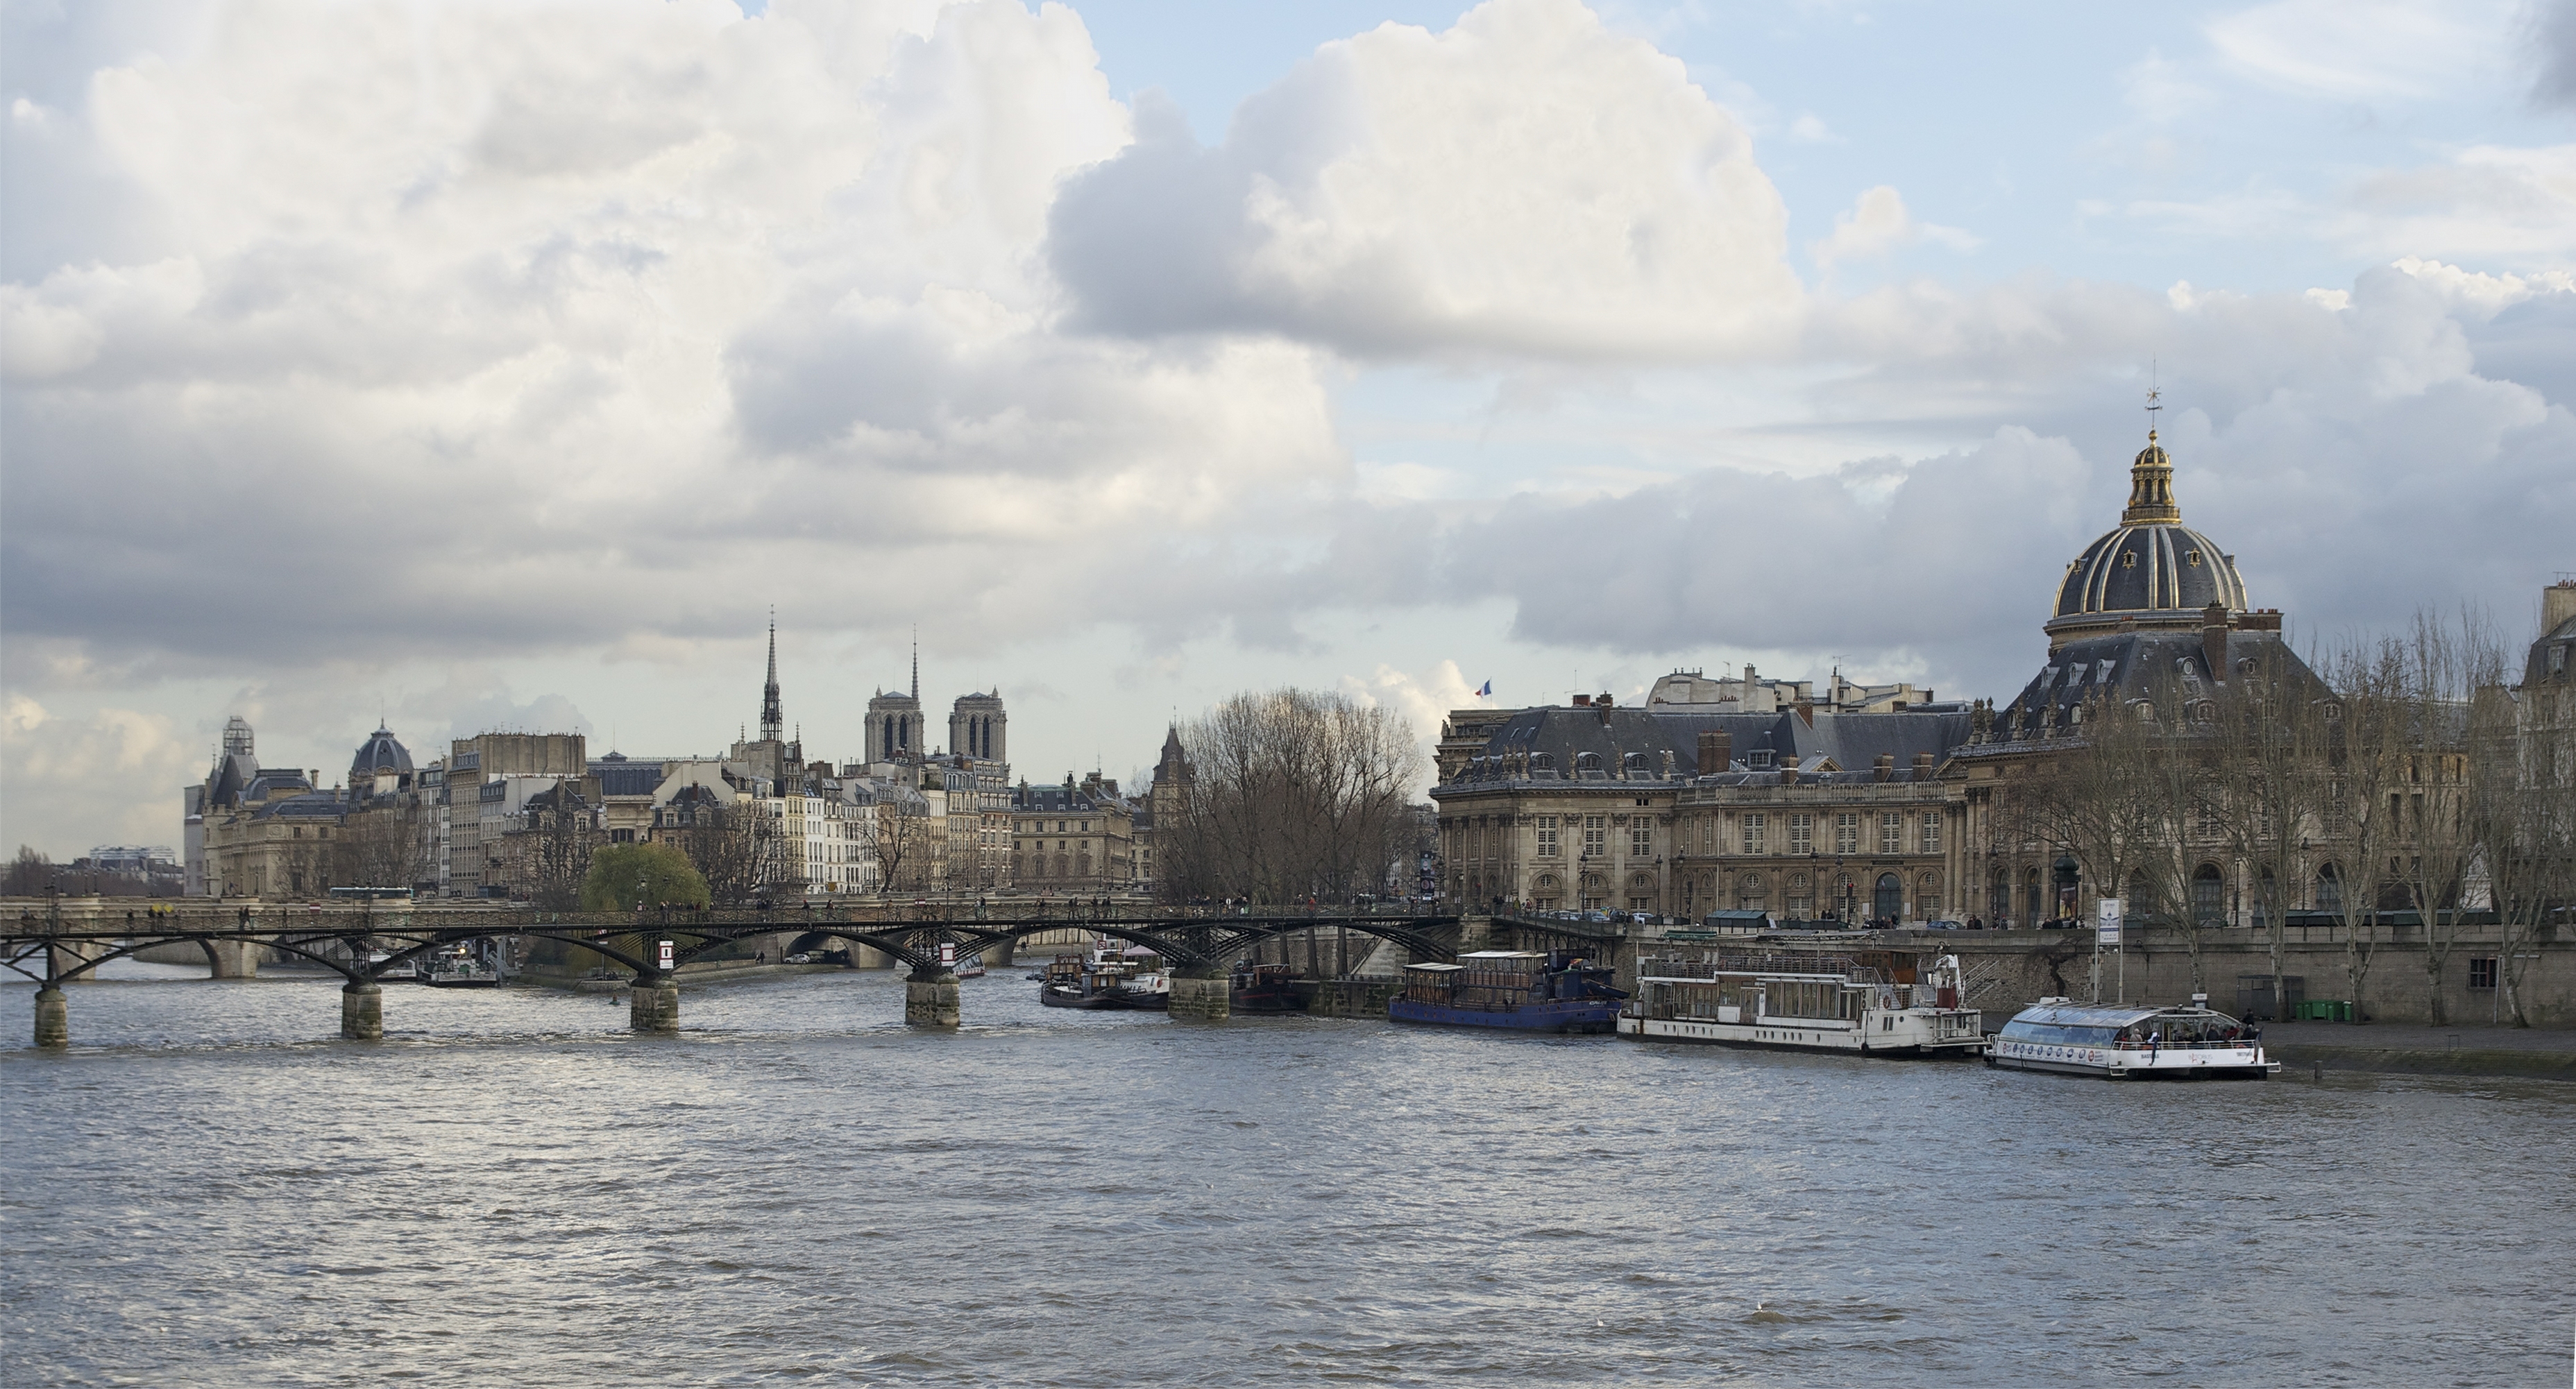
[653, 1003]
[232, 959]
[362, 1011]
[930, 997]
[1202, 993]
[53, 1017]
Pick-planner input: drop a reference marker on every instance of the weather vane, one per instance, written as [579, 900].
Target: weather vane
[2155, 395]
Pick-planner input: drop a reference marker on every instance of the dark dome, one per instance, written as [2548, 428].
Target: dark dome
[381, 754]
[2139, 569]
[2153, 568]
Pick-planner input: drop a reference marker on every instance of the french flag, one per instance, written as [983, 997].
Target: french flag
[1487, 692]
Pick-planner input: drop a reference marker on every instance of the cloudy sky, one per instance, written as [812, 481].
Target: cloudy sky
[502, 365]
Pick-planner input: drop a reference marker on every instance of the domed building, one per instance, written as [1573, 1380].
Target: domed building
[2151, 606]
[2152, 572]
[382, 763]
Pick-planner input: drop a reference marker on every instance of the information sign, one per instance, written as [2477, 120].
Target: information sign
[666, 956]
[2106, 921]
[948, 952]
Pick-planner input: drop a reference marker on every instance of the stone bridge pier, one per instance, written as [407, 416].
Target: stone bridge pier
[930, 998]
[654, 1004]
[362, 1011]
[53, 1017]
[1202, 993]
[232, 959]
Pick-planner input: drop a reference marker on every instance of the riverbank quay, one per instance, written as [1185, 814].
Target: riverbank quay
[2529, 1053]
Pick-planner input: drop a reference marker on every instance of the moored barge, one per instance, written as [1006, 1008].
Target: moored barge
[1521, 990]
[1264, 989]
[1873, 1003]
[1105, 979]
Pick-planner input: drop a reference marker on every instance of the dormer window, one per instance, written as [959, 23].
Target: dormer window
[1759, 759]
[1542, 762]
[2129, 559]
[1589, 762]
[2192, 558]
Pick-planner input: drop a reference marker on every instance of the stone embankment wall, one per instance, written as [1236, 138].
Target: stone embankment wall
[2011, 970]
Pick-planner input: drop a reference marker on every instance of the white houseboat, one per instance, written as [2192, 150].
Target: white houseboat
[2130, 1042]
[1876, 1003]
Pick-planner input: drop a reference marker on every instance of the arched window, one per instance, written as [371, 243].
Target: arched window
[1637, 765]
[1587, 763]
[1927, 895]
[2208, 895]
[1802, 901]
[1641, 882]
[1750, 890]
[2142, 896]
[2032, 903]
[1547, 882]
[2329, 889]
[1888, 899]
[1543, 762]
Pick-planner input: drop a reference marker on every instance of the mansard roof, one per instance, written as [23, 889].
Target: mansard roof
[2163, 665]
[1611, 748]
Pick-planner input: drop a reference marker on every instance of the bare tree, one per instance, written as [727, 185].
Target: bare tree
[2434, 841]
[740, 849]
[2098, 798]
[384, 845]
[2523, 807]
[30, 873]
[2367, 757]
[898, 840]
[1292, 793]
[2271, 771]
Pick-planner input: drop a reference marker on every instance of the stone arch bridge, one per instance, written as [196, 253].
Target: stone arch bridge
[55, 942]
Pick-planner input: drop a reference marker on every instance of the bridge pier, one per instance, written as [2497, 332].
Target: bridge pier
[1198, 997]
[654, 1004]
[362, 1011]
[53, 1017]
[232, 959]
[930, 1000]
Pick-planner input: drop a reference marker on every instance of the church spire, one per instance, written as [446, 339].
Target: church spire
[773, 721]
[916, 665]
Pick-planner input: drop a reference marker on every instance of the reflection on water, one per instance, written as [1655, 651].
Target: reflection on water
[211, 1188]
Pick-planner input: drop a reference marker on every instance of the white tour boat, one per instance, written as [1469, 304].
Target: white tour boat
[2130, 1042]
[1873, 1002]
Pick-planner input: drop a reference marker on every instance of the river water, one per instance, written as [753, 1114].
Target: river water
[211, 1189]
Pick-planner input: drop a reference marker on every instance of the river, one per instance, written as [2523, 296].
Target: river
[210, 1188]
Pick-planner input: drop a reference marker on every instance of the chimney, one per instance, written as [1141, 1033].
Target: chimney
[2213, 640]
[1922, 766]
[1788, 771]
[1583, 701]
[1601, 702]
[1885, 768]
[1806, 712]
[2557, 604]
[1715, 751]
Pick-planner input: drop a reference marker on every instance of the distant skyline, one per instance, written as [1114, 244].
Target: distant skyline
[503, 365]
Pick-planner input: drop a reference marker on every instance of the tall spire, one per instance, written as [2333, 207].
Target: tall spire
[773, 721]
[916, 664]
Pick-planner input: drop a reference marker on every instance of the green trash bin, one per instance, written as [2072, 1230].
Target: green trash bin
[2325, 1010]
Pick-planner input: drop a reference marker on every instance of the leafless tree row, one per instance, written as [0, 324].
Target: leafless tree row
[2404, 775]
[1292, 793]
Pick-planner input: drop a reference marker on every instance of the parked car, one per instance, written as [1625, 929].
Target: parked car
[1943, 926]
[800, 959]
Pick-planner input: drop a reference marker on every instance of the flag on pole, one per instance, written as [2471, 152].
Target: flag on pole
[1487, 692]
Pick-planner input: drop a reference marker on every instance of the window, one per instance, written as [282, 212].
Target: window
[1547, 836]
[1931, 832]
[1596, 838]
[2329, 889]
[1887, 897]
[1641, 840]
[1802, 833]
[1749, 890]
[1587, 764]
[1802, 903]
[1847, 832]
[1891, 834]
[1927, 895]
[2208, 895]
[2482, 971]
[1753, 833]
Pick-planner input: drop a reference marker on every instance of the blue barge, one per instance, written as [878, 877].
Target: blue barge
[1521, 990]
